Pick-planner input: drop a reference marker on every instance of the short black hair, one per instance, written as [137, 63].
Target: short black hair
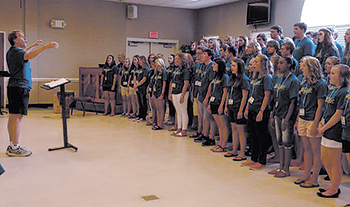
[12, 36]
[209, 52]
[278, 28]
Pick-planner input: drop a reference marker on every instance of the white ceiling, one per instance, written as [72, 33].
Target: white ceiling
[183, 4]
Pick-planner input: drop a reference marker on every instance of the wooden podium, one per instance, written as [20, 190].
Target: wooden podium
[52, 85]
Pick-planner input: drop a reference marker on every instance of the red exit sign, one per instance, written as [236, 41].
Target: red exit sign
[153, 35]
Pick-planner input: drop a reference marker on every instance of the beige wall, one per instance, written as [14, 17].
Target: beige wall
[230, 19]
[96, 28]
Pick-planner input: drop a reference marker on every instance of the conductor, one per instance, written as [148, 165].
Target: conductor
[20, 85]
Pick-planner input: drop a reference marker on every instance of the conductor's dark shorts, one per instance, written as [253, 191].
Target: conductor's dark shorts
[18, 100]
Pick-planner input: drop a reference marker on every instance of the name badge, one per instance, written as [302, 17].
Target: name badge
[173, 85]
[276, 104]
[230, 101]
[137, 82]
[251, 100]
[150, 89]
[343, 120]
[125, 83]
[302, 112]
[198, 83]
[154, 88]
[212, 99]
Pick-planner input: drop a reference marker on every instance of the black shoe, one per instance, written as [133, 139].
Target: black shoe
[201, 138]
[208, 142]
[195, 135]
[335, 195]
[1, 170]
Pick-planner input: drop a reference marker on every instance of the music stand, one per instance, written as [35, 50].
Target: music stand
[52, 85]
[3, 74]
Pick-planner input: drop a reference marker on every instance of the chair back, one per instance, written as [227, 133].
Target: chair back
[90, 91]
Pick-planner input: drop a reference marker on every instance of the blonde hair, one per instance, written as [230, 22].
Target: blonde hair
[160, 62]
[266, 66]
[314, 68]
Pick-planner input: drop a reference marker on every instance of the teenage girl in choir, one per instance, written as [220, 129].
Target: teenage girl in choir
[331, 129]
[257, 112]
[140, 86]
[284, 114]
[157, 87]
[312, 97]
[236, 102]
[325, 46]
[132, 93]
[169, 73]
[217, 94]
[242, 46]
[108, 81]
[178, 93]
[330, 62]
[124, 74]
[253, 49]
[346, 56]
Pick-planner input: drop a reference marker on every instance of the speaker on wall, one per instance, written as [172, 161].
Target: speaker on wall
[131, 12]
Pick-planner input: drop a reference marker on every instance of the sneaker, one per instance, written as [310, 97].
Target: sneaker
[20, 152]
[208, 142]
[1, 170]
[201, 138]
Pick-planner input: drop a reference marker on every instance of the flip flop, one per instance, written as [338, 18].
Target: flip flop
[309, 185]
[239, 158]
[299, 181]
[219, 149]
[230, 154]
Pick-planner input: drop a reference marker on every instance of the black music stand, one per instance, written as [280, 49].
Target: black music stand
[52, 85]
[3, 74]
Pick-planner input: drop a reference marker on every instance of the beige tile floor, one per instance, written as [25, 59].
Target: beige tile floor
[119, 161]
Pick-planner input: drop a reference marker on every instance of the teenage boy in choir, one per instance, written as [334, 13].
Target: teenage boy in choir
[287, 50]
[207, 118]
[303, 45]
[276, 33]
[262, 40]
[231, 54]
[121, 59]
[198, 71]
[20, 84]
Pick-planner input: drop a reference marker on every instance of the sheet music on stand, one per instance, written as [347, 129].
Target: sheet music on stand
[55, 83]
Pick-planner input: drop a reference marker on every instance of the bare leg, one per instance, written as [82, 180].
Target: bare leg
[331, 160]
[317, 163]
[14, 127]
[235, 138]
[308, 158]
[242, 139]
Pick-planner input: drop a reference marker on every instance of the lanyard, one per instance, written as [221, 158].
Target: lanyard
[331, 95]
[278, 89]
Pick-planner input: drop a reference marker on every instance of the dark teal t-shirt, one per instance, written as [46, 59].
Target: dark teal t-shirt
[207, 76]
[156, 83]
[197, 77]
[20, 70]
[235, 93]
[140, 74]
[309, 95]
[179, 78]
[217, 89]
[303, 48]
[346, 114]
[333, 102]
[257, 94]
[286, 89]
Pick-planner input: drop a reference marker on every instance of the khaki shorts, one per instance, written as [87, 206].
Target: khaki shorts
[132, 91]
[124, 91]
[304, 129]
[195, 107]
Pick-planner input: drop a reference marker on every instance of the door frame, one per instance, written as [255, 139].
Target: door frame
[4, 79]
[163, 41]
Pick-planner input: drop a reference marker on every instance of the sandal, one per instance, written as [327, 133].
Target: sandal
[309, 185]
[156, 127]
[172, 129]
[239, 158]
[219, 149]
[299, 181]
[180, 134]
[230, 154]
[274, 172]
[282, 174]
